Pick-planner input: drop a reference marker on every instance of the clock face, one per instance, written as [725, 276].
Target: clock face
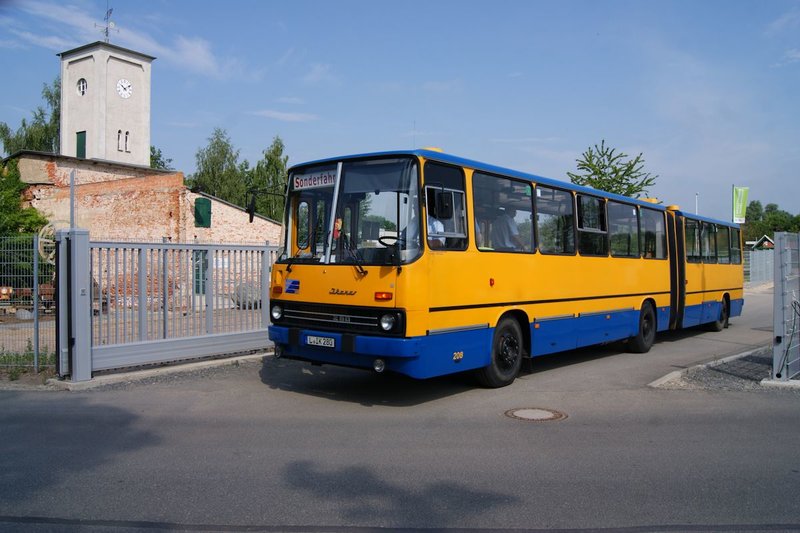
[124, 88]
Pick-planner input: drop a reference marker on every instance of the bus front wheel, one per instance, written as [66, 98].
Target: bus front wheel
[643, 340]
[507, 351]
[722, 322]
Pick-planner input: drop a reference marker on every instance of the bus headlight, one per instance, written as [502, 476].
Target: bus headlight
[388, 322]
[276, 312]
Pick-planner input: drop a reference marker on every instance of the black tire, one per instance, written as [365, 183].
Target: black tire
[507, 353]
[643, 340]
[722, 322]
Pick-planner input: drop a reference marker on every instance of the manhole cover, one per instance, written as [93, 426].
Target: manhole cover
[536, 414]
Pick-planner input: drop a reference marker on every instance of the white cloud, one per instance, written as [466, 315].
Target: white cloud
[197, 53]
[319, 73]
[51, 42]
[286, 117]
[190, 53]
[286, 57]
[790, 56]
[787, 21]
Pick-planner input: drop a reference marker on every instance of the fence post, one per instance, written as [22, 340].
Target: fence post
[80, 305]
[142, 296]
[209, 278]
[36, 302]
[164, 289]
[62, 303]
[266, 262]
[785, 349]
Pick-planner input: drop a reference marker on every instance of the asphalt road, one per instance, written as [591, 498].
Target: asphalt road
[274, 445]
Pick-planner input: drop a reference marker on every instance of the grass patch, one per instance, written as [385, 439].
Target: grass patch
[15, 365]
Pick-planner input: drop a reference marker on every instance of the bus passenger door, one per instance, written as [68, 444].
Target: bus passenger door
[694, 283]
[677, 270]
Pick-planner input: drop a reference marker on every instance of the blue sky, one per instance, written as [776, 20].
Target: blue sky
[707, 90]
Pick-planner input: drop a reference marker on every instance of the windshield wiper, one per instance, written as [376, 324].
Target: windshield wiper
[357, 260]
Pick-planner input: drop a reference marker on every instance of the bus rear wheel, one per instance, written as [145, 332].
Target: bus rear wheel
[643, 340]
[507, 352]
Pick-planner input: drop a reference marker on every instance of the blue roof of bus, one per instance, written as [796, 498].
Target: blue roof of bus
[435, 155]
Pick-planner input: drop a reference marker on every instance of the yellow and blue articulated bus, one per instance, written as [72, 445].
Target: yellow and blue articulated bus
[427, 264]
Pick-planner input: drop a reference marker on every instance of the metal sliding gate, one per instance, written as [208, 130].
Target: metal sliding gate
[786, 312]
[142, 303]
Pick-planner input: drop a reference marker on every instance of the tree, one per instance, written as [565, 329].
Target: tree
[42, 133]
[603, 169]
[158, 161]
[269, 177]
[13, 217]
[219, 172]
[767, 220]
[754, 212]
[777, 219]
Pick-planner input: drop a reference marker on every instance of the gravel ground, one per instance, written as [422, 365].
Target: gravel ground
[742, 374]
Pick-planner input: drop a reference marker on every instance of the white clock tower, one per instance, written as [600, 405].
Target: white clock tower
[105, 104]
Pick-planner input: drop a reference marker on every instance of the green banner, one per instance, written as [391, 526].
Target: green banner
[739, 204]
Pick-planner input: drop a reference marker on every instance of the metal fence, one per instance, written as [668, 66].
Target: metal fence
[758, 266]
[786, 312]
[27, 303]
[122, 304]
[145, 291]
[132, 304]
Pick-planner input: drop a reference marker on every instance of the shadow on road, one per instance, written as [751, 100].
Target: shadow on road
[368, 388]
[361, 495]
[360, 386]
[36, 456]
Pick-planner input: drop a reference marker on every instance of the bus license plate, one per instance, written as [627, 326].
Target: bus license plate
[326, 342]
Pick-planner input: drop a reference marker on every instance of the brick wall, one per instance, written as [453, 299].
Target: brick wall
[131, 203]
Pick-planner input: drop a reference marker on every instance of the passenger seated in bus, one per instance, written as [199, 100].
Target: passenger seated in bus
[435, 227]
[505, 233]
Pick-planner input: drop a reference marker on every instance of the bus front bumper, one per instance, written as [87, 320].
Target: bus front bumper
[419, 357]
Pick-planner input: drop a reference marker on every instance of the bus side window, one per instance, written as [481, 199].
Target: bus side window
[723, 245]
[447, 183]
[653, 236]
[555, 221]
[592, 226]
[504, 213]
[709, 243]
[736, 247]
[693, 253]
[623, 229]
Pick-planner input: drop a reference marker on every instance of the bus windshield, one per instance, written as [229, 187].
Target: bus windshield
[355, 212]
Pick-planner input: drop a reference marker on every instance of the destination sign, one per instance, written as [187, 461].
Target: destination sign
[325, 178]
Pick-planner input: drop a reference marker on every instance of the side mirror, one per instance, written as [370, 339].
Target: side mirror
[251, 207]
[444, 205]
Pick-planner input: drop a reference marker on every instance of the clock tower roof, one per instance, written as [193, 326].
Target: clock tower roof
[101, 44]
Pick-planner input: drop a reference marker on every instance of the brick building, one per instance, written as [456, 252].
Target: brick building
[117, 201]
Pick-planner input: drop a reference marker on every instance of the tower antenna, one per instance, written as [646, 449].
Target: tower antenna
[109, 24]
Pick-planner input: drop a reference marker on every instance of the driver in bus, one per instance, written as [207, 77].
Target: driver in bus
[505, 233]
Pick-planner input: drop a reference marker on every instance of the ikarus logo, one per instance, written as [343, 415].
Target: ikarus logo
[292, 286]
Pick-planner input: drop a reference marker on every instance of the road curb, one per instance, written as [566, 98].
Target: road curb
[677, 374]
[139, 375]
[776, 384]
